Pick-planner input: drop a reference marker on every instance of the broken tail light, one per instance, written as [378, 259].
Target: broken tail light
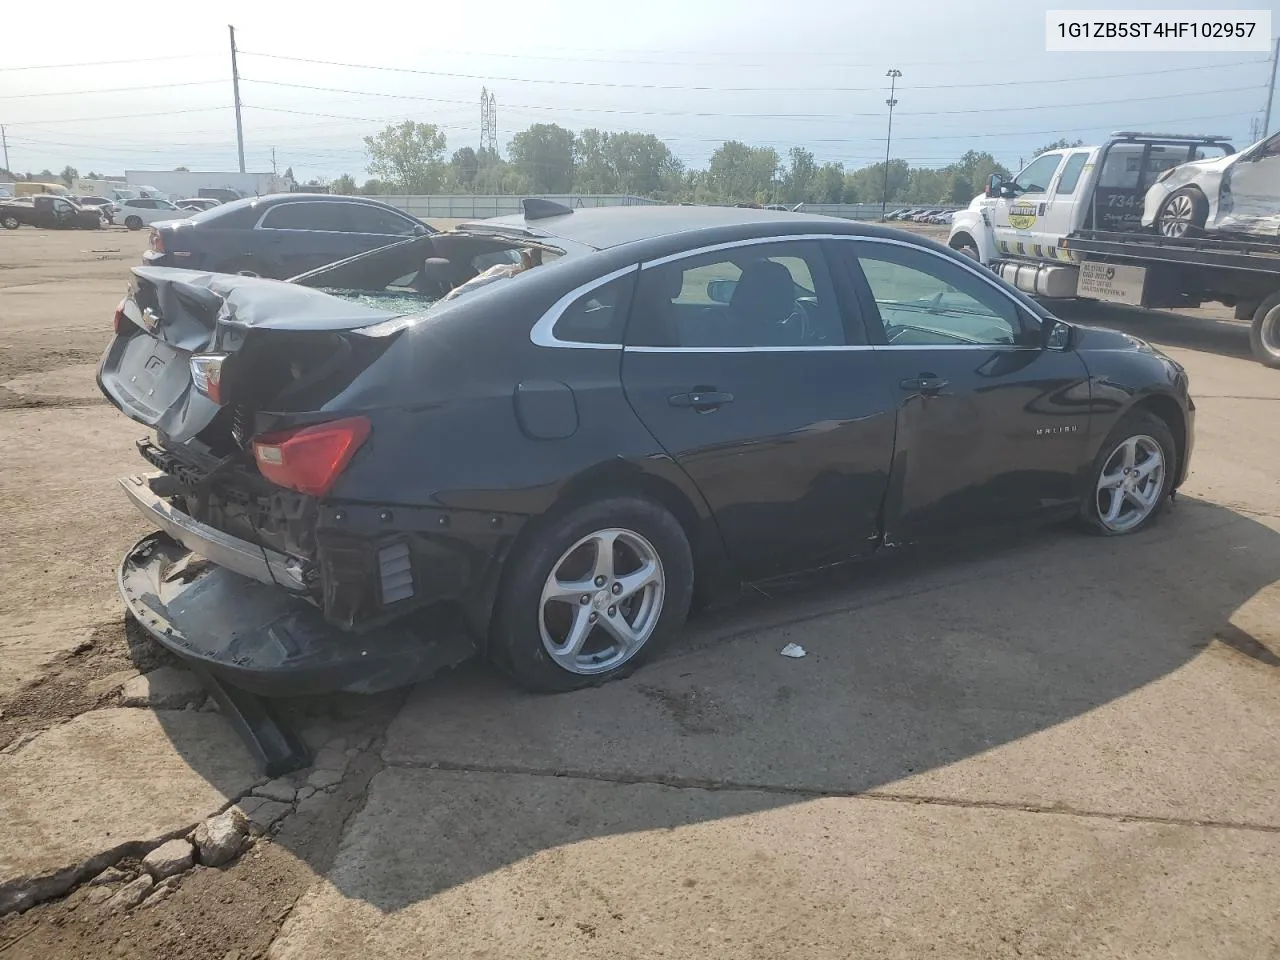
[156, 241]
[120, 322]
[206, 375]
[310, 459]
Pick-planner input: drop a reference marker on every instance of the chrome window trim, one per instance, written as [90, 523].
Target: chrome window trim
[543, 332]
[542, 336]
[334, 203]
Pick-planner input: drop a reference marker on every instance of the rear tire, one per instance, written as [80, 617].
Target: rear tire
[10, 223]
[1136, 464]
[530, 637]
[133, 223]
[1183, 214]
[1264, 335]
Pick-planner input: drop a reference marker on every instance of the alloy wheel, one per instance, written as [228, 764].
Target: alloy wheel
[602, 601]
[1177, 217]
[1130, 485]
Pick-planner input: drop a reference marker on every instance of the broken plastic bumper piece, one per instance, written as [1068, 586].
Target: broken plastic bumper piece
[265, 639]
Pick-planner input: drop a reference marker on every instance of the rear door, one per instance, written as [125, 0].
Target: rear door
[301, 235]
[376, 226]
[742, 365]
[1018, 220]
[992, 423]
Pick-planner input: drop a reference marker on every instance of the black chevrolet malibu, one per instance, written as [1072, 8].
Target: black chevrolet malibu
[541, 437]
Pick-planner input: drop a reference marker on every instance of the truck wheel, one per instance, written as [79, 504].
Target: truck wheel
[10, 223]
[133, 223]
[1183, 214]
[1264, 335]
[963, 243]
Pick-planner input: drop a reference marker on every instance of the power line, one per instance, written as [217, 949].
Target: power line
[824, 117]
[717, 89]
[119, 116]
[106, 63]
[77, 93]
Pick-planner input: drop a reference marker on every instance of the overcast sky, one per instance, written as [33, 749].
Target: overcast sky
[799, 72]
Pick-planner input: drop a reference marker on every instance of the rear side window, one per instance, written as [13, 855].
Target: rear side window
[366, 218]
[758, 295]
[1070, 178]
[305, 216]
[598, 316]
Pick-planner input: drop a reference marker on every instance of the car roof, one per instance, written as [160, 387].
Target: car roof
[604, 227]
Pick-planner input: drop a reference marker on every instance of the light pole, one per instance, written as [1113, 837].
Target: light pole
[893, 76]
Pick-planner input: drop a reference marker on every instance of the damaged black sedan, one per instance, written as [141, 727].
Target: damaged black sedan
[540, 437]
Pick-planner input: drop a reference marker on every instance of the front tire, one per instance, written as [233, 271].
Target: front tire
[133, 223]
[1132, 476]
[1183, 214]
[964, 243]
[591, 595]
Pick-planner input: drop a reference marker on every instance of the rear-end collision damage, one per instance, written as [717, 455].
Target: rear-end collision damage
[266, 569]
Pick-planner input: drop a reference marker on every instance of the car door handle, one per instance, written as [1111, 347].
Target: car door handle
[929, 386]
[702, 400]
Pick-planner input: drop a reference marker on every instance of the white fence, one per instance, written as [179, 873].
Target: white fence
[478, 207]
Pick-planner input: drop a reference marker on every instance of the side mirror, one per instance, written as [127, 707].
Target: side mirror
[419, 230]
[1057, 335]
[721, 291]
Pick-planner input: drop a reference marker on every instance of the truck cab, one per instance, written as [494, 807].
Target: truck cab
[1017, 226]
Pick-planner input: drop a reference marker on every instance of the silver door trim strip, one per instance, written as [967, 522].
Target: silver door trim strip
[542, 332]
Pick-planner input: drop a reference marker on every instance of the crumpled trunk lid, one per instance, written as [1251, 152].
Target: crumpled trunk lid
[175, 314]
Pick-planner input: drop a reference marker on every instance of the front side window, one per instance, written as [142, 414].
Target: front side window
[1035, 178]
[1070, 178]
[759, 295]
[305, 216]
[926, 300]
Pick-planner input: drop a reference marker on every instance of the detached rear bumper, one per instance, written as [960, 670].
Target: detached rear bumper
[262, 638]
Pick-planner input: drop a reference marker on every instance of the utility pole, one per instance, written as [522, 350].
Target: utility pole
[235, 83]
[273, 162]
[1271, 88]
[4, 140]
[893, 76]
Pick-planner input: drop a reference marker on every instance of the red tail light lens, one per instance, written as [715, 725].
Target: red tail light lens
[310, 459]
[206, 374]
[156, 241]
[120, 323]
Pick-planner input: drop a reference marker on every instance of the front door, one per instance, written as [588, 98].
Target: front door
[992, 424]
[1018, 220]
[741, 364]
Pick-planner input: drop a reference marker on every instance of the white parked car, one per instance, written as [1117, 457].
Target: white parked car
[1235, 194]
[138, 212]
[197, 203]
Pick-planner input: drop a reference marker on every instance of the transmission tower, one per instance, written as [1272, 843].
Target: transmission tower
[488, 120]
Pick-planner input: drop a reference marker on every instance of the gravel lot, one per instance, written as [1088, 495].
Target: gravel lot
[1051, 746]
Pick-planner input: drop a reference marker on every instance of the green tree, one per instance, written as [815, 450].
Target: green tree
[69, 174]
[544, 154]
[592, 172]
[868, 183]
[1063, 144]
[288, 173]
[799, 181]
[408, 155]
[741, 174]
[829, 186]
[464, 165]
[373, 188]
[345, 184]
